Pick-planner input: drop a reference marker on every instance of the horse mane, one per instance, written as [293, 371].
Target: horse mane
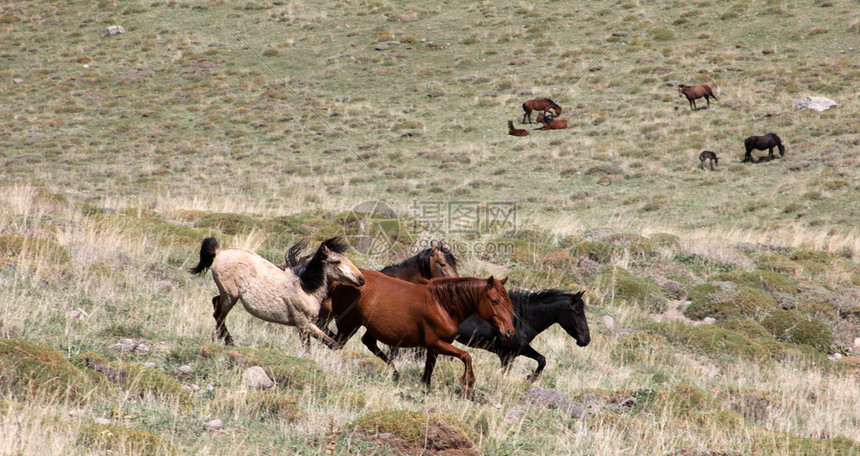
[291, 258]
[451, 293]
[550, 100]
[312, 275]
[422, 259]
[522, 300]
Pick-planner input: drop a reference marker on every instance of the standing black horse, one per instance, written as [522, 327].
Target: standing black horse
[533, 313]
[768, 141]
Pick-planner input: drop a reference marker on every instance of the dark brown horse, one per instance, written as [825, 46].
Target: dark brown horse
[539, 104]
[694, 92]
[516, 131]
[405, 314]
[768, 141]
[551, 123]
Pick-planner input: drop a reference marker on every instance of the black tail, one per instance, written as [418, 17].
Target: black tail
[208, 249]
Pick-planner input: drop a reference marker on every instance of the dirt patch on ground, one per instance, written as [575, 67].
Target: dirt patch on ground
[439, 439]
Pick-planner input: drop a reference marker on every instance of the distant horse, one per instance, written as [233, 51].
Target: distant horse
[539, 104]
[694, 92]
[708, 155]
[768, 141]
[433, 262]
[534, 313]
[516, 131]
[551, 123]
[405, 314]
[271, 294]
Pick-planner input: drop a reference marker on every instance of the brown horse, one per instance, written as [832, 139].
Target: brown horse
[405, 314]
[539, 104]
[516, 131]
[694, 92]
[550, 123]
[270, 293]
[436, 261]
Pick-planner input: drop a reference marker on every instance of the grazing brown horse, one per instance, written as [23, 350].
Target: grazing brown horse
[272, 294]
[539, 104]
[708, 155]
[694, 92]
[405, 314]
[550, 123]
[516, 131]
[768, 141]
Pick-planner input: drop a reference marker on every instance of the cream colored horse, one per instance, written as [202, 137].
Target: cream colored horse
[272, 294]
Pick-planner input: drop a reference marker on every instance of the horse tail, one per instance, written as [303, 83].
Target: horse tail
[208, 250]
[526, 107]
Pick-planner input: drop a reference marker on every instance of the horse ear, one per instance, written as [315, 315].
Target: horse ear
[325, 250]
[490, 282]
[503, 280]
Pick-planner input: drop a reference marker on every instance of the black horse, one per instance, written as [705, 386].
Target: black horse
[533, 313]
[768, 141]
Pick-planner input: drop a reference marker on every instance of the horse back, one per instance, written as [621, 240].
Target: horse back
[394, 311]
[235, 267]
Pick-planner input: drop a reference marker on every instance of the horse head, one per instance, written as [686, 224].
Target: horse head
[573, 320]
[442, 262]
[496, 308]
[336, 265]
[681, 88]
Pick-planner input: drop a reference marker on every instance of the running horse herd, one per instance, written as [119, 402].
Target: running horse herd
[419, 302]
[550, 110]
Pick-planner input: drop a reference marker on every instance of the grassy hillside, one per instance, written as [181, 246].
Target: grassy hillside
[265, 122]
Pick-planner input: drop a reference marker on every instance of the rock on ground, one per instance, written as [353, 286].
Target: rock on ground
[816, 103]
[255, 377]
[554, 400]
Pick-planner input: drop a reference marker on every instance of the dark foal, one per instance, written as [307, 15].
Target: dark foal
[708, 155]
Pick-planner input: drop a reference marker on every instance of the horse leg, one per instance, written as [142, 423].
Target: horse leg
[530, 352]
[308, 329]
[468, 379]
[222, 304]
[507, 361]
[703, 163]
[370, 342]
[529, 114]
[429, 364]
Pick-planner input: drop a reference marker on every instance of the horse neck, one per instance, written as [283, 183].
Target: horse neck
[313, 277]
[409, 268]
[457, 296]
[536, 315]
